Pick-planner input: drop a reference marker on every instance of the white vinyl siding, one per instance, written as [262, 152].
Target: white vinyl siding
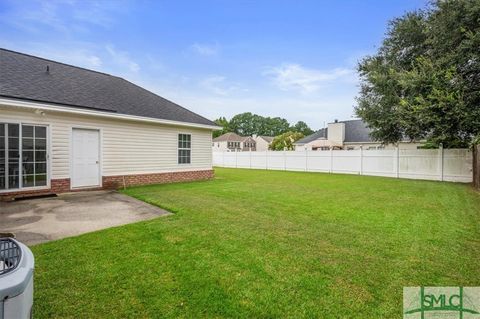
[127, 147]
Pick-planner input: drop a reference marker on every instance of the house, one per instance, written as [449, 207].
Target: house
[65, 128]
[232, 142]
[263, 142]
[249, 144]
[348, 135]
[228, 142]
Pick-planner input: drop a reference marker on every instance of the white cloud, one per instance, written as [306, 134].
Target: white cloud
[205, 49]
[218, 85]
[122, 58]
[296, 77]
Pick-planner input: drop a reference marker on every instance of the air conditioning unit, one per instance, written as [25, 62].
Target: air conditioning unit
[16, 280]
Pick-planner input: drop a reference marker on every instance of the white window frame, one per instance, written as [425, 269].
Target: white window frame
[184, 149]
[20, 150]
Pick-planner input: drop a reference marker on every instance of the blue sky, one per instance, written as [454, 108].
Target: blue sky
[293, 59]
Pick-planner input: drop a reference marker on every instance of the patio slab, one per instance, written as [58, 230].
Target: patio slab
[40, 220]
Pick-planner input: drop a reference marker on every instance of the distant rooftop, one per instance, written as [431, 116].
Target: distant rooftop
[229, 137]
[356, 131]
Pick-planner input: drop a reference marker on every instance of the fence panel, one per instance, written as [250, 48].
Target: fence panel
[438, 164]
[380, 163]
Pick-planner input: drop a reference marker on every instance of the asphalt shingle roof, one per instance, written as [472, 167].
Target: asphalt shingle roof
[355, 131]
[268, 139]
[229, 137]
[321, 133]
[26, 77]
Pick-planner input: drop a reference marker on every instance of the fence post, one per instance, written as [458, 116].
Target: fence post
[223, 158]
[440, 160]
[266, 159]
[250, 151]
[306, 160]
[236, 160]
[284, 159]
[397, 162]
[361, 159]
[331, 159]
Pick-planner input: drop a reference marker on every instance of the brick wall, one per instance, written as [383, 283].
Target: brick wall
[116, 182]
[60, 185]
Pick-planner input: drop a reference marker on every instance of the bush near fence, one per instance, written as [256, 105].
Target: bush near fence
[430, 164]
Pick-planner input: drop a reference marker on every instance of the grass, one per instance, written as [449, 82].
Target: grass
[264, 244]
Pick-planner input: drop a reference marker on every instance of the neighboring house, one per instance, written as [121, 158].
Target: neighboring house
[66, 128]
[263, 142]
[228, 142]
[347, 135]
[249, 144]
[232, 142]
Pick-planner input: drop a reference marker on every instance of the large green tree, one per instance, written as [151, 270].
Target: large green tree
[248, 124]
[424, 81]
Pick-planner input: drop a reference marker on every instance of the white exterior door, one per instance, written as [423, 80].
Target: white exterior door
[85, 157]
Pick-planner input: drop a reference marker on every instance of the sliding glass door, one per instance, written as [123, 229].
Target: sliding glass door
[23, 156]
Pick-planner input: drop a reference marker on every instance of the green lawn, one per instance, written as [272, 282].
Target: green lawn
[264, 244]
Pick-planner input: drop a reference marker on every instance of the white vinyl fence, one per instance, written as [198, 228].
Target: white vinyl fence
[439, 164]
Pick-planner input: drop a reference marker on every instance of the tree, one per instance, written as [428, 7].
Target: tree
[249, 124]
[223, 122]
[302, 127]
[424, 81]
[273, 126]
[285, 141]
[246, 123]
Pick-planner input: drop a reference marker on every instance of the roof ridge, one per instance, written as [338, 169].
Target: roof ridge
[57, 62]
[352, 120]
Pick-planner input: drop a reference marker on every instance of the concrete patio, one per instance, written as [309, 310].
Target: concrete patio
[40, 220]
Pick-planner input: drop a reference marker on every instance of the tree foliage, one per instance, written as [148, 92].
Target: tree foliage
[247, 124]
[223, 122]
[285, 141]
[302, 127]
[424, 81]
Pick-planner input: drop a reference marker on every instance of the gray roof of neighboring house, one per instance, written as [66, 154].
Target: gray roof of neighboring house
[321, 133]
[356, 131]
[268, 139]
[25, 77]
[229, 137]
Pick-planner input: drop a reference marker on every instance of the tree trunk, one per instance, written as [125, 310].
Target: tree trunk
[476, 166]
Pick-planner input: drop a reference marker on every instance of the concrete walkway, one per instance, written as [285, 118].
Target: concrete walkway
[39, 220]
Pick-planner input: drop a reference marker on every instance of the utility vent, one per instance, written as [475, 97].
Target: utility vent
[10, 255]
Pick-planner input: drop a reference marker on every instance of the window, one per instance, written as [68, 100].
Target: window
[184, 148]
[23, 156]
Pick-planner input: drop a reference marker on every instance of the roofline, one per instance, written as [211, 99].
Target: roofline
[73, 110]
[344, 121]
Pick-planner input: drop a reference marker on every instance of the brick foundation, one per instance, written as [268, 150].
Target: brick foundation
[115, 182]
